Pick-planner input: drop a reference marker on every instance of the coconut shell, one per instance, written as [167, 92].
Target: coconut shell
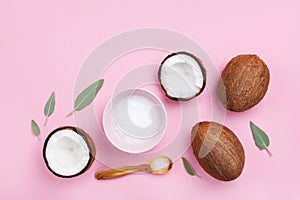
[224, 158]
[85, 136]
[244, 82]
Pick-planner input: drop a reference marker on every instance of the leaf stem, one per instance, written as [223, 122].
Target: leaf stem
[46, 121]
[198, 176]
[269, 152]
[39, 137]
[71, 113]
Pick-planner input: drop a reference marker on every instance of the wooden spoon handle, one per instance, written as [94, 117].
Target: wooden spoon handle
[119, 172]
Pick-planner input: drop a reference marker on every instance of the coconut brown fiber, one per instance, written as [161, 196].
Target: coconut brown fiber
[226, 158]
[244, 82]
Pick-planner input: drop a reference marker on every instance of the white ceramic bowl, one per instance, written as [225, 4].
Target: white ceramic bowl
[135, 120]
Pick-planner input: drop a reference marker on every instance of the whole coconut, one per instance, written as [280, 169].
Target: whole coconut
[244, 82]
[218, 150]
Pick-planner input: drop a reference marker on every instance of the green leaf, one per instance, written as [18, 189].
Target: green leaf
[49, 107]
[188, 167]
[36, 129]
[87, 96]
[260, 137]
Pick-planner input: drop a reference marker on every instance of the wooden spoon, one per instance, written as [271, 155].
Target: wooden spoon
[157, 165]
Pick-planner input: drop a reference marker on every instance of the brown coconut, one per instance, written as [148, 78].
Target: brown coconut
[244, 82]
[218, 150]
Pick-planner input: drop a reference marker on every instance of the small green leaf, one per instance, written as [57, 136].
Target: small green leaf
[189, 168]
[87, 96]
[36, 129]
[49, 107]
[260, 137]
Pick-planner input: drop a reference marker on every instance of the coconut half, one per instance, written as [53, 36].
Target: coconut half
[182, 76]
[68, 151]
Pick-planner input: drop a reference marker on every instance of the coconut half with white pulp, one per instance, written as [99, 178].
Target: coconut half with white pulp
[182, 76]
[69, 151]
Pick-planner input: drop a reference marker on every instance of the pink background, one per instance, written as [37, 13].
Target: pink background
[42, 46]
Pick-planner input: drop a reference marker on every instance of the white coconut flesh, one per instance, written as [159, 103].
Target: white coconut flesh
[67, 153]
[181, 76]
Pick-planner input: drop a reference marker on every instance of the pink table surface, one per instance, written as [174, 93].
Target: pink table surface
[42, 47]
